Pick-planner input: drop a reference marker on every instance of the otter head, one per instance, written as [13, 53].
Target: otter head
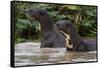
[64, 25]
[36, 13]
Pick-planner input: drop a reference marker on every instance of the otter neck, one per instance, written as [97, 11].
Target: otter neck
[73, 34]
[46, 23]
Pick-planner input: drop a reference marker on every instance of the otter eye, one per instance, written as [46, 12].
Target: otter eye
[57, 25]
[68, 25]
[41, 13]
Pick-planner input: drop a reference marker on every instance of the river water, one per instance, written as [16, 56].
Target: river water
[30, 53]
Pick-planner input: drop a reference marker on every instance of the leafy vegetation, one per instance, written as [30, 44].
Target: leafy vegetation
[84, 18]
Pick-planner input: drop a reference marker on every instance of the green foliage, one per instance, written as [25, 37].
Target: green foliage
[18, 40]
[88, 15]
[23, 24]
[84, 17]
[26, 30]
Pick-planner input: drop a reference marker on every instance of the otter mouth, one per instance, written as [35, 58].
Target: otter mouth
[30, 16]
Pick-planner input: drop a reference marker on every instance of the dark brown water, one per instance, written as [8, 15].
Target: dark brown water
[30, 53]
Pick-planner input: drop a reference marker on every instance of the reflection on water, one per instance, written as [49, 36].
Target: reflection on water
[30, 53]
